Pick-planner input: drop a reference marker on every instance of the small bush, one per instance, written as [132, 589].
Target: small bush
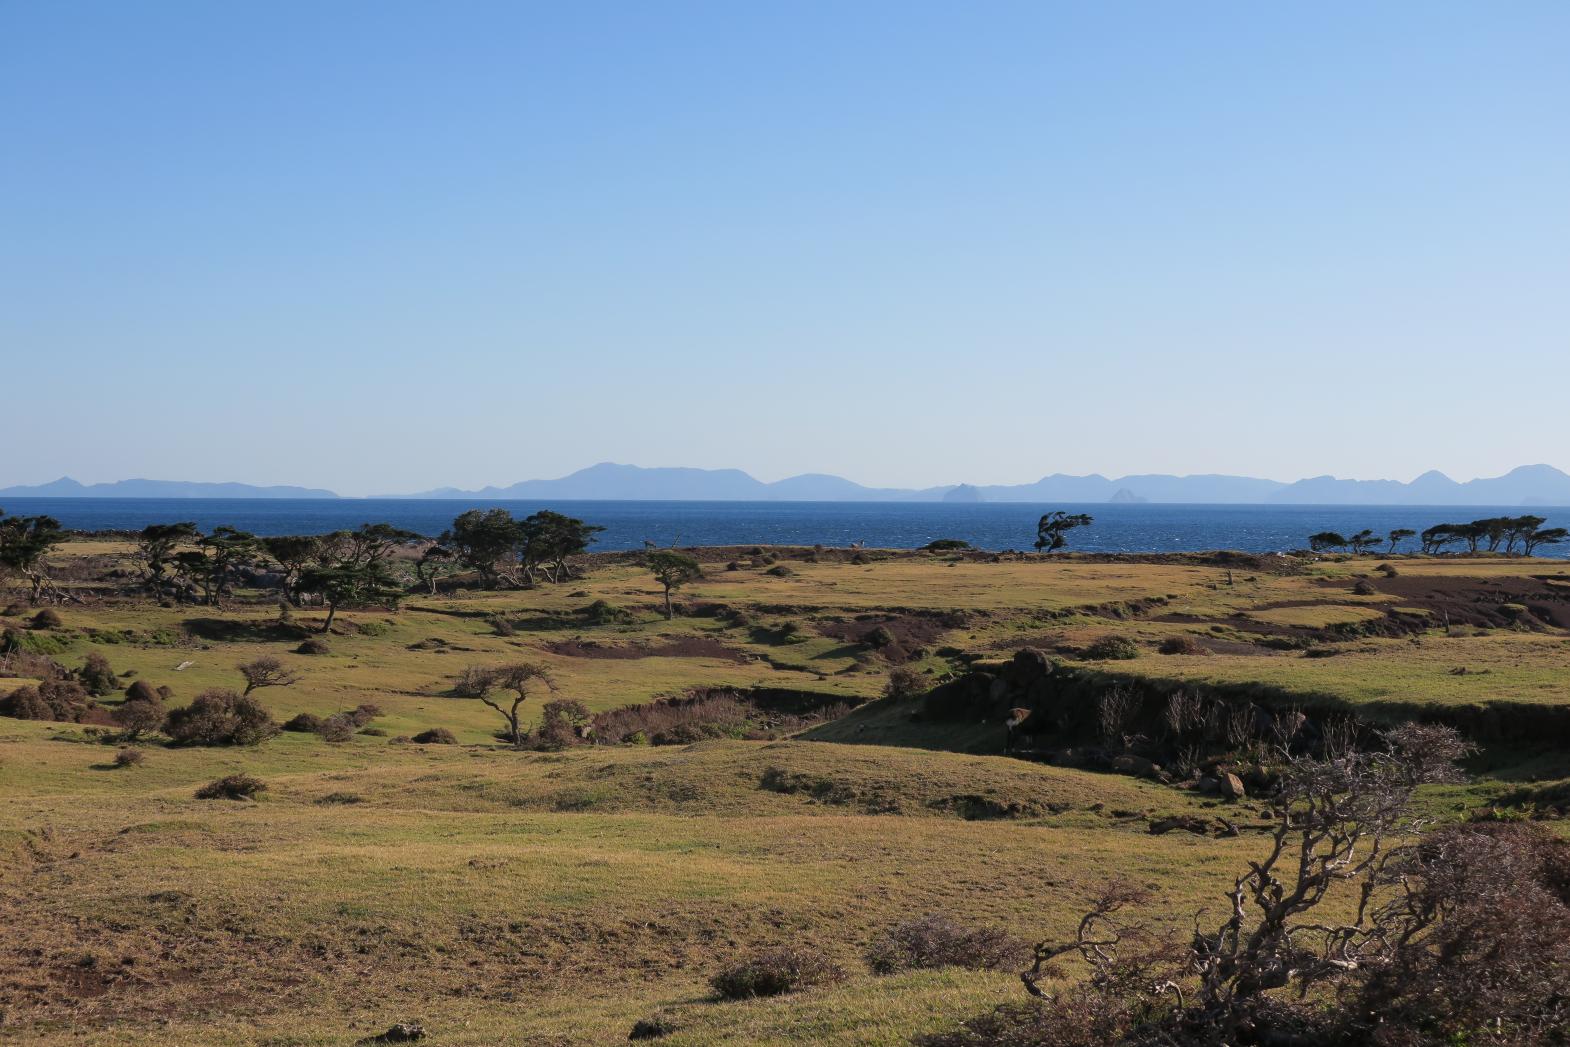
[561, 724]
[1388, 570]
[780, 571]
[139, 716]
[936, 941]
[601, 613]
[232, 787]
[96, 676]
[773, 972]
[304, 723]
[220, 717]
[1112, 648]
[48, 618]
[129, 758]
[364, 713]
[1180, 645]
[436, 736]
[1364, 588]
[880, 637]
[945, 545]
[652, 1028]
[337, 728]
[502, 627]
[314, 645]
[904, 683]
[142, 691]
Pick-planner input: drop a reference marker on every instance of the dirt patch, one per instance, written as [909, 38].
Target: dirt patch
[898, 637]
[1534, 602]
[687, 647]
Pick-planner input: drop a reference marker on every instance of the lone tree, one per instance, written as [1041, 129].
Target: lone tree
[434, 562]
[519, 678]
[1326, 540]
[1399, 535]
[672, 570]
[266, 671]
[1052, 529]
[24, 542]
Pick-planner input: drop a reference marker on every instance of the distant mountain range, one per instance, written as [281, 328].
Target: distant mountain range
[65, 487]
[1526, 486]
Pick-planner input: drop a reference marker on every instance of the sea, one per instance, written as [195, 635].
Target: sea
[1117, 528]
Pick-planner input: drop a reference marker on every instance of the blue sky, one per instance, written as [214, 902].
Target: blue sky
[384, 246]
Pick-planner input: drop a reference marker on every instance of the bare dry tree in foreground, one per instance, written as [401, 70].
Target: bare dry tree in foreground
[266, 671]
[1455, 935]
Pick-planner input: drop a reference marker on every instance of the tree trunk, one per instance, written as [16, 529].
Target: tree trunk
[327, 626]
[669, 613]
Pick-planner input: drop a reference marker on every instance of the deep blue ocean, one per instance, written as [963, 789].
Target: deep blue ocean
[898, 525]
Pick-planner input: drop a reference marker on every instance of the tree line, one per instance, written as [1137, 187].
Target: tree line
[1493, 534]
[179, 562]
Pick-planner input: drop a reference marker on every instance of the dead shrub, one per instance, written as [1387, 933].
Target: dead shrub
[129, 758]
[1180, 645]
[139, 716]
[61, 700]
[337, 728]
[934, 941]
[773, 972]
[435, 736]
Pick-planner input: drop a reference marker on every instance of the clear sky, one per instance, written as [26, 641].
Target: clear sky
[382, 246]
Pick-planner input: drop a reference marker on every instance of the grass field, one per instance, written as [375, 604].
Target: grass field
[500, 896]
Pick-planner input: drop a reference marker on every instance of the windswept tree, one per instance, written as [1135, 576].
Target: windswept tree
[1399, 535]
[485, 541]
[293, 554]
[549, 538]
[266, 671]
[347, 584]
[435, 561]
[156, 547]
[1052, 529]
[212, 565]
[672, 570]
[25, 542]
[1326, 540]
[1516, 529]
[1540, 536]
[521, 678]
[1363, 541]
[1435, 538]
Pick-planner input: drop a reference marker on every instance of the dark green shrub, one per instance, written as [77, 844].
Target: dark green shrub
[314, 645]
[1112, 648]
[561, 724]
[436, 736]
[61, 700]
[780, 571]
[945, 545]
[96, 676]
[772, 972]
[48, 618]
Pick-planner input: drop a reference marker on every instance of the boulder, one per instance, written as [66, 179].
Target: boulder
[1232, 787]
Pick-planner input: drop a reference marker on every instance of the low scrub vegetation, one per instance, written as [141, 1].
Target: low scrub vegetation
[232, 787]
[934, 941]
[220, 717]
[773, 972]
